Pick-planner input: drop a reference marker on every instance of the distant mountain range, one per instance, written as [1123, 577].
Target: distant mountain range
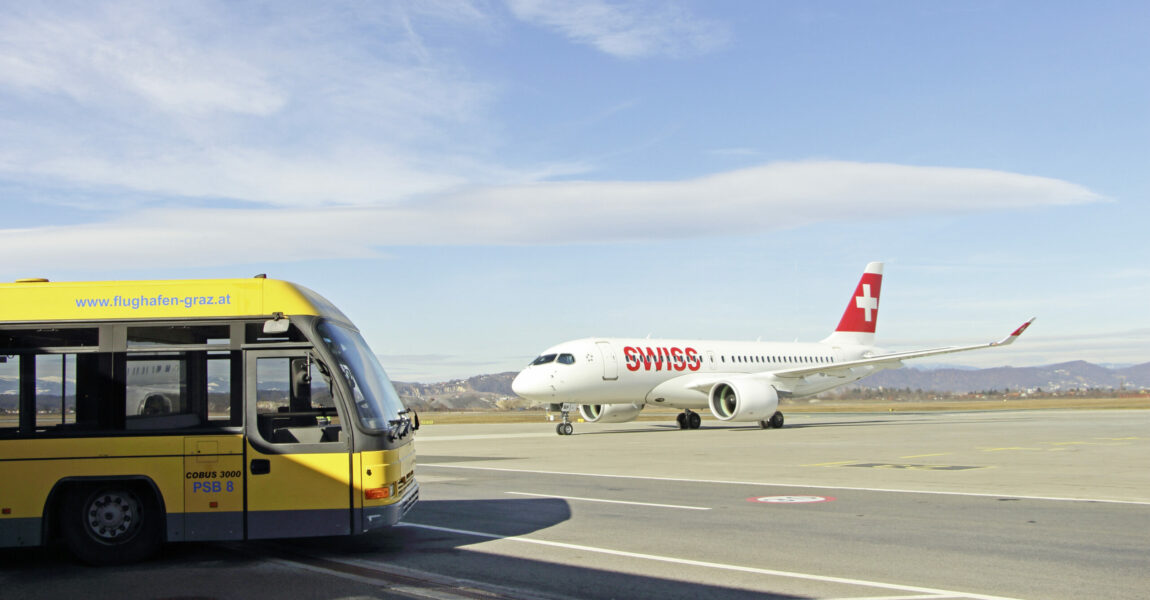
[1077, 375]
[482, 392]
[493, 392]
[488, 391]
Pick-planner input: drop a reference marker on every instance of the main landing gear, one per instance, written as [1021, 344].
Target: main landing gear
[565, 427]
[688, 419]
[775, 422]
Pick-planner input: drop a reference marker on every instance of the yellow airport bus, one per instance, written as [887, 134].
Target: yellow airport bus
[138, 412]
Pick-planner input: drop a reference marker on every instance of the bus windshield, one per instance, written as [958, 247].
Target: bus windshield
[376, 402]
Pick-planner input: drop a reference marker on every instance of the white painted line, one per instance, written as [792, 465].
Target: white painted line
[789, 485]
[489, 436]
[609, 501]
[916, 597]
[710, 565]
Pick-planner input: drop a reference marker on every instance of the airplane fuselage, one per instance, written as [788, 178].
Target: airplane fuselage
[620, 370]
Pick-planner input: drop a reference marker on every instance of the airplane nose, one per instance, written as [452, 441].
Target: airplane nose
[531, 385]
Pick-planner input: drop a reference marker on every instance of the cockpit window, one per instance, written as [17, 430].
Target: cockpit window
[566, 359]
[542, 360]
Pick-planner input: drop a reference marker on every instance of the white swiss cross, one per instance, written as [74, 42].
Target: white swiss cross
[867, 302]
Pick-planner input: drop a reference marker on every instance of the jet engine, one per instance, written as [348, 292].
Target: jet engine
[610, 413]
[744, 399]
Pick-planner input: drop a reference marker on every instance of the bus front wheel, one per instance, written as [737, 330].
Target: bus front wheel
[111, 524]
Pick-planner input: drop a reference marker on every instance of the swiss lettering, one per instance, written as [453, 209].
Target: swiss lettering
[662, 359]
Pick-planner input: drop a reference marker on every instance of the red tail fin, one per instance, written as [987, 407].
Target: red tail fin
[861, 315]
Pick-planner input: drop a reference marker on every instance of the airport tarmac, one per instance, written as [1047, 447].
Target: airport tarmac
[1044, 504]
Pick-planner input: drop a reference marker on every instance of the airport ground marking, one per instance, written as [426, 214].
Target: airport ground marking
[609, 501]
[915, 597]
[790, 485]
[932, 592]
[855, 463]
[791, 499]
[487, 436]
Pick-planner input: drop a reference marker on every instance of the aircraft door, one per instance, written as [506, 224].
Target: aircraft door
[610, 362]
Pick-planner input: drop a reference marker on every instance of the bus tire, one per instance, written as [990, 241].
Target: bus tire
[111, 523]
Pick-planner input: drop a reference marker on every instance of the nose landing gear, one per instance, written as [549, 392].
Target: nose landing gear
[565, 427]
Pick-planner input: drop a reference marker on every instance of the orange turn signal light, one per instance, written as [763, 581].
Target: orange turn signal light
[377, 493]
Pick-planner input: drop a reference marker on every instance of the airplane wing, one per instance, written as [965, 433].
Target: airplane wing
[854, 369]
[892, 360]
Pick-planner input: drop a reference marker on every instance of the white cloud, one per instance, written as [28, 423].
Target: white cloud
[749, 201]
[123, 50]
[287, 105]
[625, 30]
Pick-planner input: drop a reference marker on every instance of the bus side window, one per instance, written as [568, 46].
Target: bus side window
[157, 391]
[37, 392]
[294, 402]
[177, 390]
[55, 390]
[9, 394]
[43, 370]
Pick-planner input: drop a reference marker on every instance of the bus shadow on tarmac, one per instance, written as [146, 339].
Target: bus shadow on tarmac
[440, 551]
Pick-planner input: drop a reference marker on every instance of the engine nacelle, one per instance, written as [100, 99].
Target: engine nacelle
[743, 399]
[610, 413]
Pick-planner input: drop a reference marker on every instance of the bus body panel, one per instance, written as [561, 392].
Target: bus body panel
[308, 494]
[213, 488]
[395, 471]
[103, 300]
[42, 466]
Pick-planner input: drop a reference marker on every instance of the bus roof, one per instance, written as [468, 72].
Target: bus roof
[38, 300]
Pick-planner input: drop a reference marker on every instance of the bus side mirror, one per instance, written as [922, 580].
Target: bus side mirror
[415, 421]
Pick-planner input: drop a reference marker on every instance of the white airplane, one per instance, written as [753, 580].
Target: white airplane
[612, 379]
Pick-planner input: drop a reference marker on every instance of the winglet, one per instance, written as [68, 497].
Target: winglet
[1014, 336]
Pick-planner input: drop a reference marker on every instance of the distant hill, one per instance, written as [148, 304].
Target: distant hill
[1077, 375]
[482, 392]
[493, 392]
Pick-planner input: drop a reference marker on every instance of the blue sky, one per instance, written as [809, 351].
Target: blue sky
[475, 181]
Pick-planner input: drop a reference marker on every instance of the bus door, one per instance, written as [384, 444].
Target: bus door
[298, 465]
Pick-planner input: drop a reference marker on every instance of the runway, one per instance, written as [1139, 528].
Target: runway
[1050, 504]
[1026, 504]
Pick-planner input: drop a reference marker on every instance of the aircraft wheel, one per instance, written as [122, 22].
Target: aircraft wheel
[568, 429]
[694, 420]
[777, 420]
[559, 429]
[681, 419]
[765, 424]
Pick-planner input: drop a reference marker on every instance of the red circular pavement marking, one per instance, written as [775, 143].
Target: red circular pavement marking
[790, 499]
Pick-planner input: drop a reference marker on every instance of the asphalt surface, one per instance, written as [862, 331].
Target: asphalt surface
[1027, 504]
